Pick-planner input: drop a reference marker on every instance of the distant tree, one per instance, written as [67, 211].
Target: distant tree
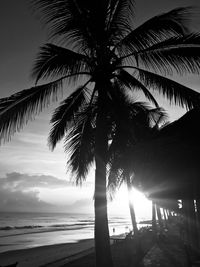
[140, 123]
[96, 47]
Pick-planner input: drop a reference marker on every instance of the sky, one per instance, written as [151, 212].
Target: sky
[32, 178]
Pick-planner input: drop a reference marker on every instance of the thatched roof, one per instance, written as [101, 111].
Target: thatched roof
[169, 165]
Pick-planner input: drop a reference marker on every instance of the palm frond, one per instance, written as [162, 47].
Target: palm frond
[128, 116]
[66, 21]
[65, 114]
[120, 101]
[16, 110]
[148, 116]
[114, 182]
[120, 18]
[175, 92]
[133, 115]
[79, 143]
[135, 84]
[53, 61]
[143, 118]
[158, 117]
[80, 24]
[156, 29]
[115, 170]
[180, 54]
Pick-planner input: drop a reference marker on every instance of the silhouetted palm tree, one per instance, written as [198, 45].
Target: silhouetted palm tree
[97, 47]
[154, 216]
[139, 124]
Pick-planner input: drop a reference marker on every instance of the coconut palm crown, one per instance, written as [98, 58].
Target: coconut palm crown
[96, 49]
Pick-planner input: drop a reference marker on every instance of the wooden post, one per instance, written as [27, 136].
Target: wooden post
[159, 217]
[165, 218]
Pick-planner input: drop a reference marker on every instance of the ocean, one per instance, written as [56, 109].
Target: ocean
[27, 230]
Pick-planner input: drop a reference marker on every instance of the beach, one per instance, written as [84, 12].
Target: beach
[35, 239]
[28, 230]
[69, 253]
[53, 255]
[165, 253]
[44, 255]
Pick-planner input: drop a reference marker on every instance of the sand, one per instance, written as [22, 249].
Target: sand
[52, 256]
[74, 254]
[65, 254]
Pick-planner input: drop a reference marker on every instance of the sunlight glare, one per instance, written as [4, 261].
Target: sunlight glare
[141, 204]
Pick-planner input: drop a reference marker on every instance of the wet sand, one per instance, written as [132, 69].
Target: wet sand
[46, 255]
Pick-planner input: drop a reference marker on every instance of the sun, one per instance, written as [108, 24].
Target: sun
[120, 205]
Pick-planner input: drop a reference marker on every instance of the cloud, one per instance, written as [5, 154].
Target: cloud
[22, 192]
[22, 201]
[19, 181]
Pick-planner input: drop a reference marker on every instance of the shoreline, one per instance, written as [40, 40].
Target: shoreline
[46, 255]
[28, 231]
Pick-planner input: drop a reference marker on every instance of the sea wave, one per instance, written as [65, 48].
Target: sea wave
[20, 227]
[67, 226]
[8, 231]
[72, 225]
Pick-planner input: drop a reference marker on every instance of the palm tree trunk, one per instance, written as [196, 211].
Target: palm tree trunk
[191, 231]
[153, 217]
[192, 221]
[186, 221]
[131, 207]
[198, 220]
[102, 239]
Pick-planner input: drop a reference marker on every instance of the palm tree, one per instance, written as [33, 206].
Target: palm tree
[140, 123]
[96, 46]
